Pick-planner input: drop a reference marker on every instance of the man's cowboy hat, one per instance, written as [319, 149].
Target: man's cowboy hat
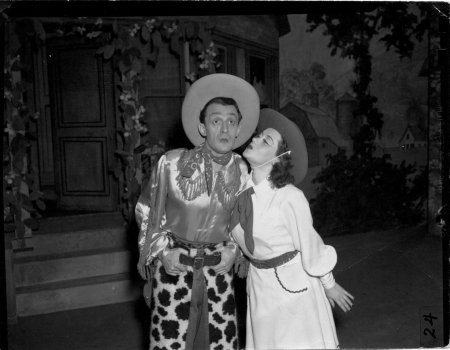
[220, 85]
[290, 132]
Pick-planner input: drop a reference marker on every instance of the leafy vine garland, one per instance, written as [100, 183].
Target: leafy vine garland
[133, 44]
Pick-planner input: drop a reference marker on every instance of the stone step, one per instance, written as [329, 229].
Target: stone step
[76, 294]
[44, 244]
[76, 262]
[75, 233]
[82, 222]
[34, 270]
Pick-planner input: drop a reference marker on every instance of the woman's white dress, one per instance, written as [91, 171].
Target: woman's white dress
[277, 319]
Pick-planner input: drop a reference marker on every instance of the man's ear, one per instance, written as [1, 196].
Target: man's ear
[202, 129]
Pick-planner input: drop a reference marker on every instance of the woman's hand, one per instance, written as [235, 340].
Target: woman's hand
[339, 295]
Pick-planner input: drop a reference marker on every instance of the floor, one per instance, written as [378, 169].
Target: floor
[393, 274]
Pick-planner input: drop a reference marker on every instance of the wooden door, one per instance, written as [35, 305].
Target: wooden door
[84, 126]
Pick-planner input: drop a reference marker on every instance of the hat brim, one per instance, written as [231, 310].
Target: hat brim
[220, 85]
[290, 132]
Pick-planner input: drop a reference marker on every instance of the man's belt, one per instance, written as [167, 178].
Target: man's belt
[275, 262]
[197, 262]
[177, 242]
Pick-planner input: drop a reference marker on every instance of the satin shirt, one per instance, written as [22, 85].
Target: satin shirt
[183, 206]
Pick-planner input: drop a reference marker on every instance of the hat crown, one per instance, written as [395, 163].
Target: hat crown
[220, 85]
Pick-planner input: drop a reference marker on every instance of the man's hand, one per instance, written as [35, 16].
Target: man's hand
[171, 262]
[340, 296]
[226, 263]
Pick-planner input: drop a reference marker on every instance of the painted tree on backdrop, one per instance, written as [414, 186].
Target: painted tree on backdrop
[294, 83]
[355, 192]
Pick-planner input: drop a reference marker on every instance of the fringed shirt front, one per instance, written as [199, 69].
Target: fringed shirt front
[175, 203]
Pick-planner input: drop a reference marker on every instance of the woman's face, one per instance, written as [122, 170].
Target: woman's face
[263, 147]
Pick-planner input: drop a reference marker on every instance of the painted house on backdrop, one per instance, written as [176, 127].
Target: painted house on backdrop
[387, 144]
[410, 146]
[413, 137]
[80, 257]
[414, 143]
[321, 133]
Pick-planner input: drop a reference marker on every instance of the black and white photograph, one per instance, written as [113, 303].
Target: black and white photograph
[225, 175]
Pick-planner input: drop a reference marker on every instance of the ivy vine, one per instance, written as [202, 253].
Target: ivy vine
[133, 44]
[22, 198]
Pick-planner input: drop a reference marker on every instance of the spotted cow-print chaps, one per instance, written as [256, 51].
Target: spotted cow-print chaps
[170, 309]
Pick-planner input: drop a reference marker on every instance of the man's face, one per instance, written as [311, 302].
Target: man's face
[221, 128]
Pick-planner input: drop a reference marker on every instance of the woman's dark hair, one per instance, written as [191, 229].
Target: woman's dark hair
[280, 175]
[224, 101]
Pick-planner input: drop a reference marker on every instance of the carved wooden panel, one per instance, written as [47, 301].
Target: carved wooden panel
[79, 82]
[84, 126]
[83, 167]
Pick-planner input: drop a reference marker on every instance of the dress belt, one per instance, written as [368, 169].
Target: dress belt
[275, 262]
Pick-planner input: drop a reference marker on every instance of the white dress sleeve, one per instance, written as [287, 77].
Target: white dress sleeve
[318, 259]
[327, 280]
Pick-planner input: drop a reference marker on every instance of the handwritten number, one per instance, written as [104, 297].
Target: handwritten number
[431, 332]
[429, 318]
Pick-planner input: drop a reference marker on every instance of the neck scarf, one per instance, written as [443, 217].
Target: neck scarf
[208, 156]
[243, 214]
[205, 153]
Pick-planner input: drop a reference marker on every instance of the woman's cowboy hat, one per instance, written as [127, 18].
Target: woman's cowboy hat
[290, 132]
[220, 85]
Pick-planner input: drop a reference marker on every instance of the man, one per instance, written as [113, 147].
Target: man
[186, 252]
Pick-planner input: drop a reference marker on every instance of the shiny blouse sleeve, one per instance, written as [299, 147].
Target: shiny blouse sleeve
[149, 211]
[318, 259]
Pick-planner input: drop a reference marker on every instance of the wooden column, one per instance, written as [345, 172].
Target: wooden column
[17, 79]
[10, 287]
[187, 69]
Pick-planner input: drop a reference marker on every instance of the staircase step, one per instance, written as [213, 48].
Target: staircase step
[83, 222]
[76, 294]
[76, 262]
[56, 267]
[45, 244]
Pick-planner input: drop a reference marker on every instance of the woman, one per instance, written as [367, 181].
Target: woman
[290, 285]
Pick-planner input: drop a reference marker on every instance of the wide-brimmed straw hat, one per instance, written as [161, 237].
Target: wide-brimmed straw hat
[220, 85]
[290, 132]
